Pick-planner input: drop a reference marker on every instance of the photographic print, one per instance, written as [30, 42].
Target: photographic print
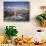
[16, 11]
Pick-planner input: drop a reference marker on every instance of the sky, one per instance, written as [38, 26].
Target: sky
[17, 4]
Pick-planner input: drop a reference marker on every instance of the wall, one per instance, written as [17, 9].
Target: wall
[25, 28]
